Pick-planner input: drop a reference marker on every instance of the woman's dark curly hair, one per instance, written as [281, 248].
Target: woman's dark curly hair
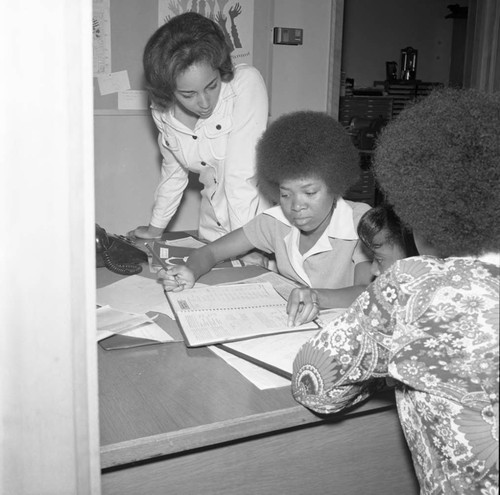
[186, 39]
[438, 164]
[306, 144]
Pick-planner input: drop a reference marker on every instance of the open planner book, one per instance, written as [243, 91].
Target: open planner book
[225, 313]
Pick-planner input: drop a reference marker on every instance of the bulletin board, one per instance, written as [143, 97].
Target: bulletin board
[132, 22]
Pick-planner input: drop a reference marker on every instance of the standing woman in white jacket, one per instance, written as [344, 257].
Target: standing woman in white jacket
[210, 115]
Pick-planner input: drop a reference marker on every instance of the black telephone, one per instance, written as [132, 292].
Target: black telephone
[117, 253]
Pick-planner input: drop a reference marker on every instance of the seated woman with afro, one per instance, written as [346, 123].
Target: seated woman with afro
[306, 161]
[430, 323]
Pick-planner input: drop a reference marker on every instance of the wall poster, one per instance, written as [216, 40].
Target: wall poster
[235, 19]
[101, 37]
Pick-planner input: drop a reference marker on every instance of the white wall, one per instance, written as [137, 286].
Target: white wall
[300, 73]
[127, 170]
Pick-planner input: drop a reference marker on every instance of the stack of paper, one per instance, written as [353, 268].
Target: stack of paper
[122, 320]
[111, 322]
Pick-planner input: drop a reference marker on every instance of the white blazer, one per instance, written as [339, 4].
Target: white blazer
[221, 149]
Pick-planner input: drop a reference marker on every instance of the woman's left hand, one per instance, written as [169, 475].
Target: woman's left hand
[302, 307]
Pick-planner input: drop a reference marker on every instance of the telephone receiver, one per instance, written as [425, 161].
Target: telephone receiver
[118, 253]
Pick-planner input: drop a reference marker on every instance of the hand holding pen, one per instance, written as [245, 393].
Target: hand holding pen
[174, 277]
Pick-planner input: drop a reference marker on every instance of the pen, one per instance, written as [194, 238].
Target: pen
[160, 261]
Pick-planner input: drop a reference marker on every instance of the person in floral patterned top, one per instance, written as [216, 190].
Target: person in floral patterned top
[431, 322]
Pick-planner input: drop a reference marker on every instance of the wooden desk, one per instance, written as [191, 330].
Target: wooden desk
[181, 421]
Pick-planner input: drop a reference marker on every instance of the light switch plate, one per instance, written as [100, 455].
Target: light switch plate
[287, 36]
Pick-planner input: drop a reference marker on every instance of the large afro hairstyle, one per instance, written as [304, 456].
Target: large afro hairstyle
[438, 164]
[306, 144]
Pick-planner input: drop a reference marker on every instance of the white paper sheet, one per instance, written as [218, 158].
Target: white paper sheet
[260, 377]
[113, 82]
[135, 294]
[278, 351]
[133, 99]
[111, 322]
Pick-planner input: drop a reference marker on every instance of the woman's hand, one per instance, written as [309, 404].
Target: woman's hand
[177, 278]
[146, 232]
[302, 307]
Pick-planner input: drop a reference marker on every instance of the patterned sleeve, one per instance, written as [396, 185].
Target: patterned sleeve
[341, 366]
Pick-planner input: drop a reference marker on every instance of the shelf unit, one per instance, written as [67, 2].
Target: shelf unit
[367, 107]
[403, 92]
[371, 108]
[397, 94]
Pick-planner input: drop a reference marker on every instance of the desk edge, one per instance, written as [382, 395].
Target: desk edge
[178, 442]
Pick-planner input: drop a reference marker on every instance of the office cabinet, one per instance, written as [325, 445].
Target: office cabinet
[363, 116]
[403, 92]
[355, 110]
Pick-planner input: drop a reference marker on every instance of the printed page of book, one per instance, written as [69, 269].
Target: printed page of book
[226, 313]
[281, 284]
[226, 325]
[225, 296]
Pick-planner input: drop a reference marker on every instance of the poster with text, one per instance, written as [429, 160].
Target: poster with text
[101, 37]
[234, 18]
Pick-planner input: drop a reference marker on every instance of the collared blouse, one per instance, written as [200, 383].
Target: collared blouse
[221, 149]
[329, 263]
[431, 325]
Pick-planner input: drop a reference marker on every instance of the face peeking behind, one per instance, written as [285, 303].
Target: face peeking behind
[385, 253]
[306, 203]
[197, 90]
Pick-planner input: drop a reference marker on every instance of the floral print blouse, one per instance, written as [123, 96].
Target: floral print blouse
[431, 325]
